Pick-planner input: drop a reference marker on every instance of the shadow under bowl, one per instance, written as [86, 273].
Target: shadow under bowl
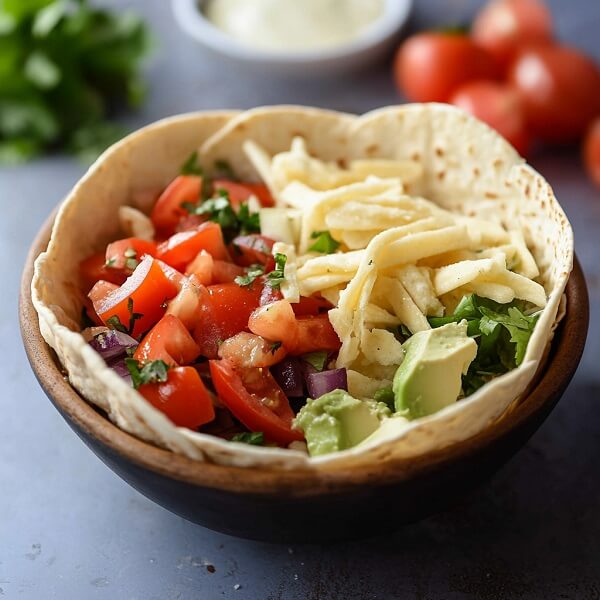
[299, 506]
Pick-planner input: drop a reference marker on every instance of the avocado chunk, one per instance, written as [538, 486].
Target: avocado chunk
[337, 421]
[429, 377]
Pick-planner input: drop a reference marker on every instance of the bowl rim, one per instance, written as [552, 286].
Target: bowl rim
[192, 21]
[565, 353]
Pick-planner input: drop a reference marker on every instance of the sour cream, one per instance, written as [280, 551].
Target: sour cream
[294, 25]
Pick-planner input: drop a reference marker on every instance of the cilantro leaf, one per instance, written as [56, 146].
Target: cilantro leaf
[133, 316]
[252, 272]
[275, 346]
[255, 438]
[324, 242]
[115, 323]
[316, 360]
[249, 222]
[191, 166]
[276, 277]
[155, 371]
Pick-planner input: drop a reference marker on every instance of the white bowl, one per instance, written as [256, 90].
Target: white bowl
[371, 45]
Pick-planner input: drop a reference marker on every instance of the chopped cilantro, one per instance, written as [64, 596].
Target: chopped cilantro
[131, 263]
[275, 346]
[255, 438]
[224, 169]
[252, 272]
[276, 277]
[130, 253]
[324, 242]
[115, 323]
[111, 262]
[155, 371]
[316, 359]
[249, 222]
[191, 166]
[502, 332]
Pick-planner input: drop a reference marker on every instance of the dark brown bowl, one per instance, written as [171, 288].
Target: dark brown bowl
[291, 506]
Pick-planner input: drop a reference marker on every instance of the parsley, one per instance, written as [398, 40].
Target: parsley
[324, 242]
[155, 371]
[276, 277]
[65, 65]
[502, 332]
[191, 166]
[252, 272]
[275, 346]
[256, 438]
[224, 169]
[316, 360]
[385, 395]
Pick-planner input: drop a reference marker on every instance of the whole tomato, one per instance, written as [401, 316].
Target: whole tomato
[560, 88]
[430, 66]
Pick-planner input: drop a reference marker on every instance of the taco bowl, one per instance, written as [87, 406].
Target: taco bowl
[472, 184]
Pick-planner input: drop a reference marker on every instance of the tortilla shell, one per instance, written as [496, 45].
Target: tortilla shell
[468, 169]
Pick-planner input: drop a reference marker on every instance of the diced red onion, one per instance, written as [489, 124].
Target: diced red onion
[112, 343]
[326, 381]
[120, 368]
[288, 374]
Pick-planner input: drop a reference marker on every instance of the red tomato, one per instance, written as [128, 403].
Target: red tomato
[275, 322]
[202, 267]
[314, 334]
[147, 289]
[181, 249]
[504, 25]
[168, 210]
[233, 305]
[94, 268]
[430, 66]
[125, 255]
[591, 152]
[186, 304]
[100, 290]
[497, 105]
[248, 350]
[252, 249]
[183, 398]
[255, 399]
[173, 275]
[207, 331]
[169, 341]
[310, 305]
[225, 272]
[240, 192]
[190, 222]
[560, 88]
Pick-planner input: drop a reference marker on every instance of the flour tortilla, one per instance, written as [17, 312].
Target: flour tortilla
[468, 169]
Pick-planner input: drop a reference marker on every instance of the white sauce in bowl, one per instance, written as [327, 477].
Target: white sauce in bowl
[294, 25]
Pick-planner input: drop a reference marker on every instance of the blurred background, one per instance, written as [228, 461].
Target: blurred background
[76, 75]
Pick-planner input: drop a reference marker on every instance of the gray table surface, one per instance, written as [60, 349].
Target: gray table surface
[70, 528]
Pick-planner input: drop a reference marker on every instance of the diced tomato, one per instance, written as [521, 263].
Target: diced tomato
[316, 333]
[173, 275]
[207, 332]
[168, 209]
[275, 322]
[181, 248]
[240, 192]
[100, 290]
[310, 305]
[145, 292]
[190, 222]
[186, 304]
[225, 272]
[269, 294]
[183, 398]
[248, 350]
[202, 267]
[254, 398]
[252, 249]
[125, 255]
[169, 341]
[94, 268]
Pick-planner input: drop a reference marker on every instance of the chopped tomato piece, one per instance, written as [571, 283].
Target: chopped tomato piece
[249, 350]
[254, 398]
[269, 294]
[316, 333]
[186, 304]
[169, 341]
[173, 275]
[183, 398]
[310, 305]
[202, 267]
[168, 209]
[275, 322]
[240, 192]
[252, 249]
[190, 222]
[207, 332]
[144, 293]
[225, 272]
[100, 290]
[94, 268]
[125, 255]
[181, 248]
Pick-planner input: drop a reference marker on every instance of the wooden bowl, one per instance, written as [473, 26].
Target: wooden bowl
[296, 506]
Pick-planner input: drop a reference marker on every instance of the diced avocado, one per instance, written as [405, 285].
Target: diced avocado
[280, 224]
[429, 377]
[337, 421]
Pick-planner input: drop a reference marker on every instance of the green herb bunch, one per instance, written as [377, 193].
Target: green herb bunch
[64, 67]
